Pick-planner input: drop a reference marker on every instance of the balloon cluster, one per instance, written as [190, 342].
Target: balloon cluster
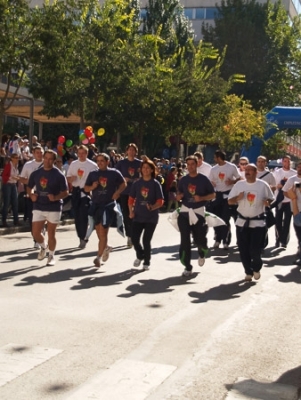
[60, 145]
[87, 136]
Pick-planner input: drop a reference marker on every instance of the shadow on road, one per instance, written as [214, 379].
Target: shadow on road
[106, 280]
[154, 286]
[222, 292]
[11, 274]
[293, 276]
[58, 276]
[265, 390]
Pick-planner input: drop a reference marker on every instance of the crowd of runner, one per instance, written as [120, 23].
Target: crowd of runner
[130, 191]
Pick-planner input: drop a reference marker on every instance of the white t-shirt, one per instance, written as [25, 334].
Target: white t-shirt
[29, 167]
[253, 202]
[220, 173]
[81, 170]
[281, 174]
[268, 177]
[289, 184]
[204, 169]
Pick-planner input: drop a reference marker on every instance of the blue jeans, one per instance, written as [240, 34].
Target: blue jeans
[10, 197]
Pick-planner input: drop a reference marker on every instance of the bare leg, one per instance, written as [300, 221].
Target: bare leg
[102, 234]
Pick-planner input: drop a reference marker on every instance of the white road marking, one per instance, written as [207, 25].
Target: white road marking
[125, 380]
[16, 359]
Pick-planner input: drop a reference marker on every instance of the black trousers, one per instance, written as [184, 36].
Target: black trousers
[199, 232]
[283, 222]
[28, 211]
[125, 212]
[250, 242]
[223, 232]
[143, 252]
[80, 209]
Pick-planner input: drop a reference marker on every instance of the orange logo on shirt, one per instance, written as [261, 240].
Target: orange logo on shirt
[144, 192]
[221, 176]
[191, 189]
[131, 171]
[103, 181]
[43, 182]
[251, 198]
[80, 173]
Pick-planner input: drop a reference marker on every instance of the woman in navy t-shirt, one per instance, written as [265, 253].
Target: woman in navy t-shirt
[145, 199]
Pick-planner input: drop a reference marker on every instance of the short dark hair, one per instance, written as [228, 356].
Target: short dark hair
[220, 154]
[192, 158]
[132, 145]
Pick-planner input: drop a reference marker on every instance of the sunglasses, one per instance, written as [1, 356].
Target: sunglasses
[243, 164]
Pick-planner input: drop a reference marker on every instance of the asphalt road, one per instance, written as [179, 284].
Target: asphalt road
[76, 332]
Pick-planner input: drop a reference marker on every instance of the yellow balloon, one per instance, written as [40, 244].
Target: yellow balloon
[100, 132]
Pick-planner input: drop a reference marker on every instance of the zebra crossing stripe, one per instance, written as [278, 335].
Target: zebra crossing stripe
[16, 359]
[125, 380]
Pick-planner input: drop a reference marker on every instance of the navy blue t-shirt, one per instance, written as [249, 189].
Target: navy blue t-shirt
[190, 186]
[131, 170]
[108, 182]
[146, 192]
[47, 182]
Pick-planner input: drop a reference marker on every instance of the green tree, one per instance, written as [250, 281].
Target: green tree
[166, 18]
[262, 44]
[16, 34]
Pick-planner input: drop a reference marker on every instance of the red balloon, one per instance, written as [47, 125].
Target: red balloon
[61, 139]
[88, 133]
[92, 140]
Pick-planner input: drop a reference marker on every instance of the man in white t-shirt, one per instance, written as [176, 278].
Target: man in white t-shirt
[77, 174]
[252, 196]
[293, 186]
[203, 167]
[223, 177]
[283, 208]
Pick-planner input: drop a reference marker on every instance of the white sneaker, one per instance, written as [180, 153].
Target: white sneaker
[256, 275]
[50, 261]
[96, 262]
[129, 242]
[216, 245]
[106, 253]
[42, 253]
[248, 278]
[145, 267]
[137, 262]
[186, 273]
[201, 261]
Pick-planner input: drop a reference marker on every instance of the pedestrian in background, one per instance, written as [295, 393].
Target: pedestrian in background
[10, 177]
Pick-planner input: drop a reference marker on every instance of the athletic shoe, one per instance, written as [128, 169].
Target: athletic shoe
[256, 275]
[216, 244]
[106, 253]
[50, 261]
[186, 272]
[42, 253]
[96, 262]
[82, 244]
[36, 245]
[129, 242]
[145, 267]
[137, 262]
[248, 278]
[201, 261]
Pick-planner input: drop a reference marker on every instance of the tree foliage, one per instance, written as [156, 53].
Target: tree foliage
[16, 35]
[262, 44]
